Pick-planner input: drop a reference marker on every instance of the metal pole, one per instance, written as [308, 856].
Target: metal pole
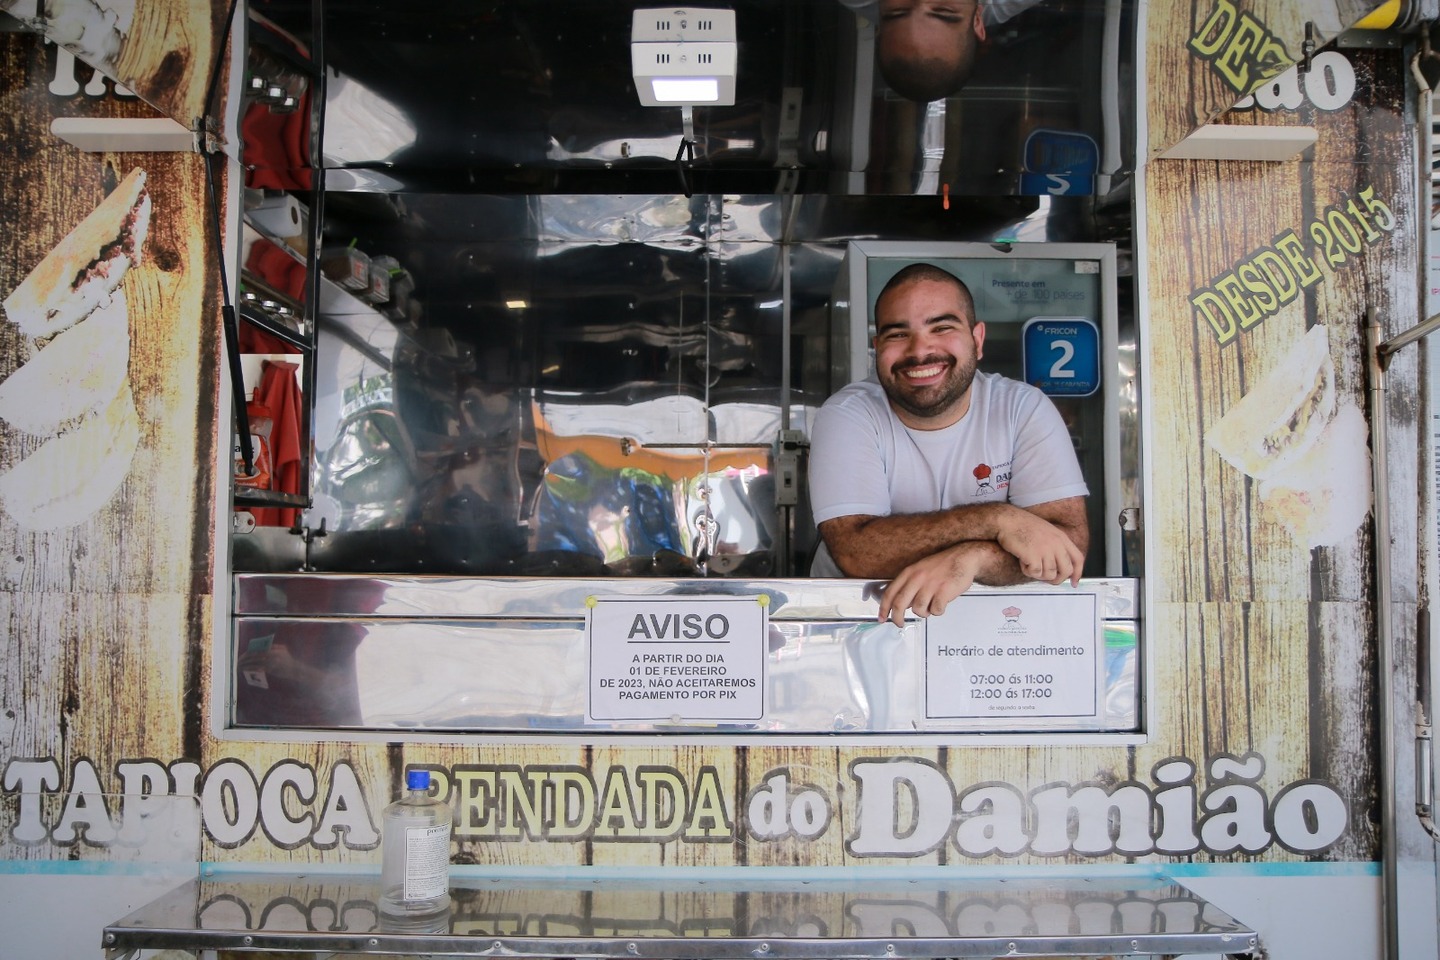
[1385, 639]
[1421, 329]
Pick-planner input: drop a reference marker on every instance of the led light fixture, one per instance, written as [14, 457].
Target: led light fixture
[683, 57]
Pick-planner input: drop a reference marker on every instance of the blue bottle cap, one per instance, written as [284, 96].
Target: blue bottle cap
[417, 780]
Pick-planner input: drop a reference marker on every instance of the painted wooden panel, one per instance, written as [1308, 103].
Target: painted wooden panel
[1204, 55]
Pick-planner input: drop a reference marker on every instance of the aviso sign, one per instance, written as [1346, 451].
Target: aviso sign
[677, 659]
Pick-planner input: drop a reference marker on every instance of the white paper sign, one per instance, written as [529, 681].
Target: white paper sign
[676, 658]
[1009, 657]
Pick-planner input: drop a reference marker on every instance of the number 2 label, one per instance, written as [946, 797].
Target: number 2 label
[1061, 369]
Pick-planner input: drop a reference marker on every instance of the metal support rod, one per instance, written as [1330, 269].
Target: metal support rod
[1112, 140]
[786, 249]
[786, 522]
[1422, 329]
[1385, 638]
[319, 94]
[1424, 739]
[229, 324]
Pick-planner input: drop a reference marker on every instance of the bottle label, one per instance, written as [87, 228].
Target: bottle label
[427, 862]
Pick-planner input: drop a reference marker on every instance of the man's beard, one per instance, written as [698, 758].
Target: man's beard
[935, 399]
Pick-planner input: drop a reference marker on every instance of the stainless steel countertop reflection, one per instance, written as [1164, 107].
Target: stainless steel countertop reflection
[689, 919]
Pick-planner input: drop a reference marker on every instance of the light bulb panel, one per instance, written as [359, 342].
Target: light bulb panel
[684, 57]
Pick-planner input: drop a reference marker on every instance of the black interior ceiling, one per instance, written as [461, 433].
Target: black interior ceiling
[537, 97]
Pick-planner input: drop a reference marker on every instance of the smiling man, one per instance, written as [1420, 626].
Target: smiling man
[935, 476]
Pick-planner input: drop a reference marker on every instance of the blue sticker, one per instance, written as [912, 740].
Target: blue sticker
[1062, 355]
[1056, 185]
[1061, 151]
[1059, 163]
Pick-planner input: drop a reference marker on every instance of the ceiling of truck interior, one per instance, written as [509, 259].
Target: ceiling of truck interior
[493, 146]
[537, 97]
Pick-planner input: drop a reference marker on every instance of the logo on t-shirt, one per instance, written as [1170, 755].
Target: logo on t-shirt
[990, 480]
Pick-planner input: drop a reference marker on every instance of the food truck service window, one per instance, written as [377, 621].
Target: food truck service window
[564, 385]
[635, 587]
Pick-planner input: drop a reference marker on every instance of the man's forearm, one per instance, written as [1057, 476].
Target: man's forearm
[1043, 542]
[880, 547]
[998, 568]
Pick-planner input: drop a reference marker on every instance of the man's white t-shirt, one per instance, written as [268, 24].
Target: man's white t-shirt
[1011, 445]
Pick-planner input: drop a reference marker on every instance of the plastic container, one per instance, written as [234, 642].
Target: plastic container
[415, 852]
[382, 269]
[402, 287]
[348, 267]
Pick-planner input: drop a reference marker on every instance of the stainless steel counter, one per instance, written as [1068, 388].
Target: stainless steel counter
[689, 918]
[458, 654]
[443, 597]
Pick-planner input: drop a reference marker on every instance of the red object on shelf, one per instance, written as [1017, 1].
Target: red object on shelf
[278, 268]
[279, 390]
[276, 146]
[255, 340]
[258, 477]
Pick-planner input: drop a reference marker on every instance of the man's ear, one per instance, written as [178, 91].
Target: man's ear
[978, 332]
[980, 22]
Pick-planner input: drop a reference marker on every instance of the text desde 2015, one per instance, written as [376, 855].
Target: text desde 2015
[1265, 280]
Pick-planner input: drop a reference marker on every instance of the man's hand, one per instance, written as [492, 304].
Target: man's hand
[927, 586]
[1043, 550]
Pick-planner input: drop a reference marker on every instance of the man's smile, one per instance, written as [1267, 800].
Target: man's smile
[929, 370]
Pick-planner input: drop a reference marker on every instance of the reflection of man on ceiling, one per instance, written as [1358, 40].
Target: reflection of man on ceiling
[926, 48]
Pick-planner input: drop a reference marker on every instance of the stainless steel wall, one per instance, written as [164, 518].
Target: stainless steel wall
[448, 655]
